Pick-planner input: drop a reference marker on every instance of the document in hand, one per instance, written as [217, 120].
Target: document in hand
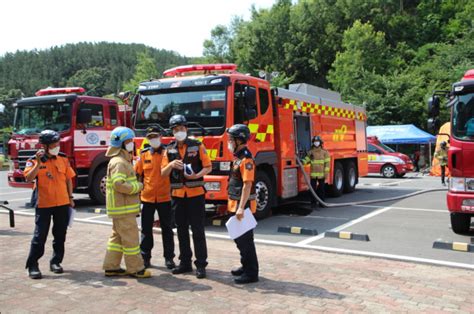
[72, 212]
[237, 228]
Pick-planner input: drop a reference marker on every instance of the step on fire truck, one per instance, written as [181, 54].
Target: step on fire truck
[460, 197]
[84, 123]
[282, 122]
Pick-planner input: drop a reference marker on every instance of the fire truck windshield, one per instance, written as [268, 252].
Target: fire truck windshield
[204, 105]
[463, 117]
[34, 118]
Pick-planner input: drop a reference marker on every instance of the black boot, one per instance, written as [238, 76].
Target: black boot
[56, 268]
[181, 269]
[200, 272]
[34, 272]
[169, 263]
[237, 272]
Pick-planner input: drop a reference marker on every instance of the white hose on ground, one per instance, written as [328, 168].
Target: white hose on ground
[324, 204]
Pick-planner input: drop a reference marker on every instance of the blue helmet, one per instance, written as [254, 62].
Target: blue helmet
[119, 135]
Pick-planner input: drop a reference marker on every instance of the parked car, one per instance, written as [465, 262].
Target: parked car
[386, 161]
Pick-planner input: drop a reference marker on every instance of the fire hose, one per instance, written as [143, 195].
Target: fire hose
[324, 204]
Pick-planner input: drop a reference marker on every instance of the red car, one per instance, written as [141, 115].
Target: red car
[384, 160]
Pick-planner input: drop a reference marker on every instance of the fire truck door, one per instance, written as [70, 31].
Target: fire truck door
[91, 139]
[303, 135]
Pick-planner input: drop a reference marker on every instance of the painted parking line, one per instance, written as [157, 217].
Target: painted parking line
[94, 217]
[407, 208]
[346, 225]
[19, 200]
[17, 192]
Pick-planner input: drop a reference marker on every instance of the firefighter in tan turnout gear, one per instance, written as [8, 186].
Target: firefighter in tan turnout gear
[320, 161]
[123, 205]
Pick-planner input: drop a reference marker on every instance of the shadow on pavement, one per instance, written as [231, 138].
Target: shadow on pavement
[92, 279]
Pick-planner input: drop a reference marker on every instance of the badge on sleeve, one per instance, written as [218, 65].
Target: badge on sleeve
[249, 166]
[29, 164]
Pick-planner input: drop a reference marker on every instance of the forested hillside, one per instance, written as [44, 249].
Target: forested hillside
[388, 55]
[102, 68]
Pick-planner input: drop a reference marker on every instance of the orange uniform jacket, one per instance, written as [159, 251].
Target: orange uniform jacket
[156, 189]
[247, 170]
[51, 180]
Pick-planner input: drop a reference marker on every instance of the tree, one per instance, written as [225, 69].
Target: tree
[92, 79]
[145, 70]
[8, 98]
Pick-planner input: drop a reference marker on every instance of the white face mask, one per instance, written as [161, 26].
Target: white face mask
[54, 151]
[317, 143]
[154, 142]
[230, 147]
[180, 136]
[129, 147]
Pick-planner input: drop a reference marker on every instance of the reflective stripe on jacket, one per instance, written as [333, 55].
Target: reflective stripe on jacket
[122, 187]
[442, 156]
[320, 161]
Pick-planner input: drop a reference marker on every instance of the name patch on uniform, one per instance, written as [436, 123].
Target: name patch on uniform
[193, 149]
[42, 167]
[147, 161]
[192, 154]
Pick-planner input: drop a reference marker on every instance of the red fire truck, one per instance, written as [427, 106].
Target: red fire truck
[84, 123]
[460, 197]
[282, 122]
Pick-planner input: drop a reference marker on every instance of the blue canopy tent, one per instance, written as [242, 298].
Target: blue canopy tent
[401, 134]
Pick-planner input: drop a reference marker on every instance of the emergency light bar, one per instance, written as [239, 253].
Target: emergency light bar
[469, 75]
[60, 90]
[206, 68]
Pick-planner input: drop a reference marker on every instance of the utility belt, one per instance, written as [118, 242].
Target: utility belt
[189, 184]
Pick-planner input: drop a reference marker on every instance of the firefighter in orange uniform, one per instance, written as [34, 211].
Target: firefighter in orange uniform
[188, 194]
[242, 195]
[53, 176]
[156, 196]
[123, 205]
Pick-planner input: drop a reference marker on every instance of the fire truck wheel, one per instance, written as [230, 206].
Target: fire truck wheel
[460, 223]
[389, 171]
[337, 186]
[97, 189]
[265, 194]
[350, 177]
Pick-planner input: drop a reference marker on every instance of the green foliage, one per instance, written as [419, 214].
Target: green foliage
[145, 70]
[388, 55]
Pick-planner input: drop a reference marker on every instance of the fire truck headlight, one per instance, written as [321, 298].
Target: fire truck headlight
[212, 186]
[224, 166]
[457, 184]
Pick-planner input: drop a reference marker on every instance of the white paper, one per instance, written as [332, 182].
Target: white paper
[72, 213]
[237, 228]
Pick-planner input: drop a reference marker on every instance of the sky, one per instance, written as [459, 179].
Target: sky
[178, 25]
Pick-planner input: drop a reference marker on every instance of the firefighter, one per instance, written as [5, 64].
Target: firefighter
[155, 196]
[186, 162]
[54, 184]
[242, 195]
[320, 162]
[442, 155]
[123, 205]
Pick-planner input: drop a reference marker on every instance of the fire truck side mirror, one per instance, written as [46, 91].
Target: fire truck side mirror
[84, 116]
[434, 124]
[433, 106]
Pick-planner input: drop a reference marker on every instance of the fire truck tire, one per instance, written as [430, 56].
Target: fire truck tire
[350, 177]
[389, 171]
[337, 187]
[265, 194]
[460, 223]
[97, 188]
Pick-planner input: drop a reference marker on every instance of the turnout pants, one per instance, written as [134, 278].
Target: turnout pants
[191, 211]
[60, 215]
[124, 241]
[248, 254]
[148, 217]
[319, 187]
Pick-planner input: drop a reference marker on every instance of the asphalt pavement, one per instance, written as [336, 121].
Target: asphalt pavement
[404, 229]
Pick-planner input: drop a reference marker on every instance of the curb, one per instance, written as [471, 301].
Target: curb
[298, 230]
[454, 246]
[347, 235]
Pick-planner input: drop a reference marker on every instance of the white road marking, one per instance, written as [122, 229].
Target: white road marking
[314, 247]
[408, 208]
[311, 217]
[94, 217]
[18, 200]
[346, 225]
[18, 192]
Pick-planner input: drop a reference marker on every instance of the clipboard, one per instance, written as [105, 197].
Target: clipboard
[236, 228]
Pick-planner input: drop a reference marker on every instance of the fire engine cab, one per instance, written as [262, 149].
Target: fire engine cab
[282, 122]
[84, 123]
